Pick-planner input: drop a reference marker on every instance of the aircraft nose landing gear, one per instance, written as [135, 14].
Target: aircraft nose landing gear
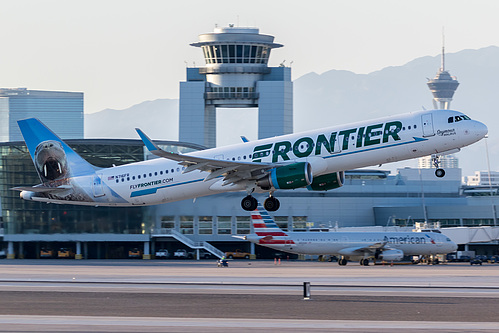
[435, 159]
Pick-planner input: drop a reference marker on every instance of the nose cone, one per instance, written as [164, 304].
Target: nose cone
[480, 129]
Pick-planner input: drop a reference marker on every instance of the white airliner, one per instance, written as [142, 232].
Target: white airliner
[315, 159]
[362, 246]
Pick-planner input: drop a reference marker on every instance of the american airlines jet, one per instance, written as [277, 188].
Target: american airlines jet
[315, 160]
[362, 246]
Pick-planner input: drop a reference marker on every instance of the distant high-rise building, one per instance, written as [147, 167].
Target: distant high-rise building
[446, 162]
[236, 75]
[442, 86]
[481, 178]
[60, 110]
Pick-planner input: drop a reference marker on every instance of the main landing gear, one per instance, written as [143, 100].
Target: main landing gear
[342, 262]
[249, 203]
[435, 159]
[270, 204]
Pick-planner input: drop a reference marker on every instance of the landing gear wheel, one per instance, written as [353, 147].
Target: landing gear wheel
[365, 262]
[342, 262]
[440, 173]
[249, 203]
[271, 204]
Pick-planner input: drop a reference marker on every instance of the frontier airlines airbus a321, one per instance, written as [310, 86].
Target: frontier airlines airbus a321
[315, 159]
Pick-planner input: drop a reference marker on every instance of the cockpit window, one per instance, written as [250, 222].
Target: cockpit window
[458, 118]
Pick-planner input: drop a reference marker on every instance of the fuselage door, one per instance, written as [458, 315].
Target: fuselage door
[97, 185]
[427, 121]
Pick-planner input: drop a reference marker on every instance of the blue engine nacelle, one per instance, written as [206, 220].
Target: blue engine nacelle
[288, 177]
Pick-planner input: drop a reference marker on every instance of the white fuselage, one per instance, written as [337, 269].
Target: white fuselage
[328, 150]
[347, 244]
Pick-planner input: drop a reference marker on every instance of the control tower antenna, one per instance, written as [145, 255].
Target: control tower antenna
[443, 85]
[442, 67]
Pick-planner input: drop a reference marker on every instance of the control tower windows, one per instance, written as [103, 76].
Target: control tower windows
[232, 53]
[231, 92]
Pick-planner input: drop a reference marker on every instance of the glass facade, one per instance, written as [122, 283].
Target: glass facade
[28, 217]
[61, 111]
[236, 54]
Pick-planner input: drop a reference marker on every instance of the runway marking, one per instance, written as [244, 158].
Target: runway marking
[234, 323]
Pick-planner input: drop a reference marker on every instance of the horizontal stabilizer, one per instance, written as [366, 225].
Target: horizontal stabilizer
[42, 189]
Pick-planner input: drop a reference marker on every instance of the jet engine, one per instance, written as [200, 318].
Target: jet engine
[288, 177]
[327, 182]
[391, 254]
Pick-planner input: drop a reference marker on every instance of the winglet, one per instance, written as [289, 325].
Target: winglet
[151, 146]
[245, 139]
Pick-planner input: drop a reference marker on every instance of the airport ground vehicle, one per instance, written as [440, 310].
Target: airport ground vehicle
[222, 263]
[475, 262]
[65, 253]
[162, 254]
[46, 253]
[238, 254]
[183, 254]
[203, 254]
[3, 254]
[135, 253]
[493, 260]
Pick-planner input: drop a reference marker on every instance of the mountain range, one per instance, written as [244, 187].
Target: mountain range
[339, 97]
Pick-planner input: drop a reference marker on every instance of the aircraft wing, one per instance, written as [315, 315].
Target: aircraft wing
[233, 171]
[42, 189]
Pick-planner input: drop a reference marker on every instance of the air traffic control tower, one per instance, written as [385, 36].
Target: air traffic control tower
[442, 86]
[235, 75]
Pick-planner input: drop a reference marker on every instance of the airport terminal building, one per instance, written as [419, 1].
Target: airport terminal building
[236, 75]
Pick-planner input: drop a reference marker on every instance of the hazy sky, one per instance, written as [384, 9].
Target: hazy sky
[121, 53]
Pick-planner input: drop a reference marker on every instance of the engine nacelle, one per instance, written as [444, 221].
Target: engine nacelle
[27, 195]
[288, 177]
[392, 254]
[327, 182]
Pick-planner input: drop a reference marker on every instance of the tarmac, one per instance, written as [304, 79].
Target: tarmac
[248, 296]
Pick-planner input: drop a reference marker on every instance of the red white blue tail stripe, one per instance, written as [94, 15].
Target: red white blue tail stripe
[263, 224]
[265, 227]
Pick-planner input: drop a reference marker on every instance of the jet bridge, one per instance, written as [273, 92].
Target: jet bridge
[470, 235]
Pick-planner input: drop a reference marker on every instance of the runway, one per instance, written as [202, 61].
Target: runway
[249, 296]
